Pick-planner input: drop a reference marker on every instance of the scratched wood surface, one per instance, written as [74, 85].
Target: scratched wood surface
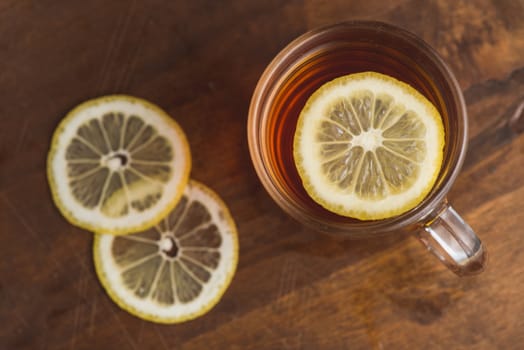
[294, 288]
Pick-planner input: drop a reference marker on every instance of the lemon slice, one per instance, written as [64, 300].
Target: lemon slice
[368, 146]
[176, 270]
[117, 164]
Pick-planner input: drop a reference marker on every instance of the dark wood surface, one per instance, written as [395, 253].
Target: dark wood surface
[294, 288]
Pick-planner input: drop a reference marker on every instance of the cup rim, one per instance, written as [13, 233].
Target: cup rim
[425, 208]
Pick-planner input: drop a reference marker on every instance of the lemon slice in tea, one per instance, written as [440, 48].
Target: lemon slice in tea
[368, 146]
[176, 270]
[117, 164]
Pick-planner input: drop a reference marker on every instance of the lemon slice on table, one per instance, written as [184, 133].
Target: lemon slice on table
[368, 146]
[176, 270]
[117, 164]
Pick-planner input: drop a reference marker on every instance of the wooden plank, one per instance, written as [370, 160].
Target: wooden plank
[294, 288]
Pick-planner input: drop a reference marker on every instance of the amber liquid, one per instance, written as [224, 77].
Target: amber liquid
[319, 66]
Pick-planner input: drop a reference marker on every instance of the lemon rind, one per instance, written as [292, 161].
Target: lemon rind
[109, 288]
[363, 214]
[62, 207]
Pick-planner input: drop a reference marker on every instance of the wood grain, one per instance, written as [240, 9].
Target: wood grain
[294, 288]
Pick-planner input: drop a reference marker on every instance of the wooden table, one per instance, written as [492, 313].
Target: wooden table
[294, 288]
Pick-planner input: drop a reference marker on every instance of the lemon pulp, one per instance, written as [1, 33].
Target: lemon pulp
[117, 164]
[176, 270]
[368, 146]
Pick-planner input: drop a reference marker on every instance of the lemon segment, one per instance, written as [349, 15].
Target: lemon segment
[117, 164]
[176, 270]
[368, 146]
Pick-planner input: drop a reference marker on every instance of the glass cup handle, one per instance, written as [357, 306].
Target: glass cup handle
[453, 242]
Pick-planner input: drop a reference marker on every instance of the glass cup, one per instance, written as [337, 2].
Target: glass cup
[321, 55]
